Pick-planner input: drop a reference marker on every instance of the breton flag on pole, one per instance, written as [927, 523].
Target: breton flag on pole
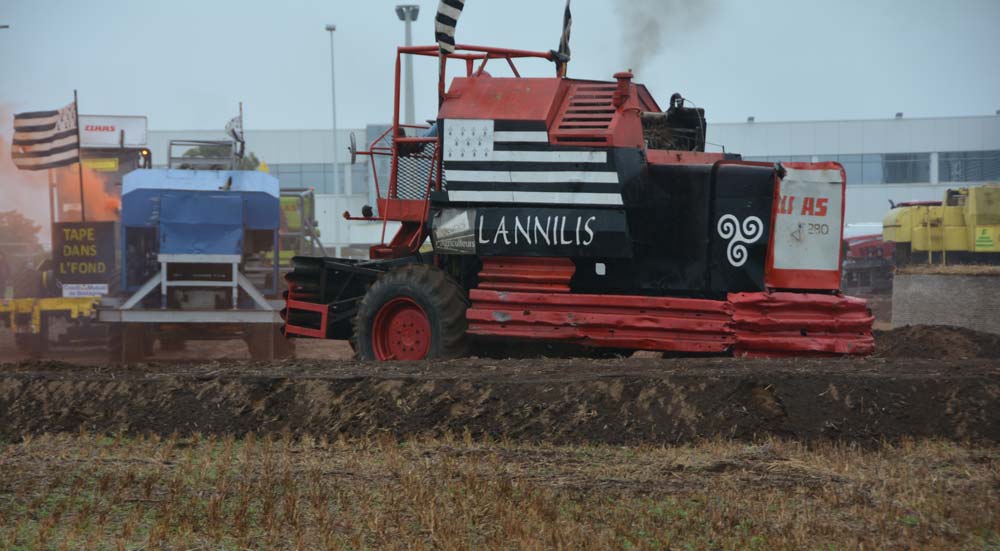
[567, 27]
[444, 24]
[234, 128]
[46, 139]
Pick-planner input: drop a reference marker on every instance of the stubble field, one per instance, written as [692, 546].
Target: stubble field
[899, 451]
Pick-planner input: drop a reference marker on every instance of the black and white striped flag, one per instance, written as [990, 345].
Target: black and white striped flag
[234, 128]
[444, 25]
[46, 139]
[567, 27]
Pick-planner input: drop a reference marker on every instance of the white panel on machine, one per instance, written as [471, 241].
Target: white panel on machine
[807, 227]
[468, 140]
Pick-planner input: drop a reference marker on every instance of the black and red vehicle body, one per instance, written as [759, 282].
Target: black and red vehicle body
[581, 212]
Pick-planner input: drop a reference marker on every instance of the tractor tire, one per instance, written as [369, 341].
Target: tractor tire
[414, 312]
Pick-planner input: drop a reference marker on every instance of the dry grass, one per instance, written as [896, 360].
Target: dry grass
[949, 269]
[94, 492]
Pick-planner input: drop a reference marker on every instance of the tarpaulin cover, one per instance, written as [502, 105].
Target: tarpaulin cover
[200, 180]
[142, 191]
[201, 223]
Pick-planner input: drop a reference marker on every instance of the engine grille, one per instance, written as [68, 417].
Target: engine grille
[586, 115]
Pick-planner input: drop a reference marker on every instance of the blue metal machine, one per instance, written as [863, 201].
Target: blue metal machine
[192, 244]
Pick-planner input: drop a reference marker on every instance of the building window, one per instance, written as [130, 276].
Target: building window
[853, 167]
[969, 166]
[871, 169]
[905, 168]
[859, 169]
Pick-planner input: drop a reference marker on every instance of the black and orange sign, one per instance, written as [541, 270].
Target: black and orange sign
[83, 252]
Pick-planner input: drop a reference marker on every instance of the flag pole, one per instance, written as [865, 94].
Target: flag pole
[52, 208]
[79, 162]
[442, 69]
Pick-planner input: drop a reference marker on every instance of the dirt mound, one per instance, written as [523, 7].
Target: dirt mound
[936, 342]
[563, 401]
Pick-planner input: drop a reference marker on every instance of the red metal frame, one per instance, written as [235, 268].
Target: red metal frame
[412, 213]
[322, 309]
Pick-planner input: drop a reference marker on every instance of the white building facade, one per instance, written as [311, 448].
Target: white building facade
[886, 160]
[895, 159]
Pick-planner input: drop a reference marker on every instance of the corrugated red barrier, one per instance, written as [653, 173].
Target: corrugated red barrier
[527, 274]
[607, 321]
[799, 324]
[747, 324]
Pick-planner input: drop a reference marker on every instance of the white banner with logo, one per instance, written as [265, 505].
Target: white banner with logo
[106, 131]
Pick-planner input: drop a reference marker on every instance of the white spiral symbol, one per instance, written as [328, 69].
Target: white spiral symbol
[729, 228]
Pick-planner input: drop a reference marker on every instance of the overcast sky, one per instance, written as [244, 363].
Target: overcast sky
[186, 63]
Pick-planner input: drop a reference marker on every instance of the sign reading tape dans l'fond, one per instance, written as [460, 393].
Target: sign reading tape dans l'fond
[84, 256]
[532, 232]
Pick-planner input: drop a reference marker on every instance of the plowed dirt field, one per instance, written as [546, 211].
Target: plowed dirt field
[933, 382]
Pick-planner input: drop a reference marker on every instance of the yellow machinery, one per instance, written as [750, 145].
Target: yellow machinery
[299, 232]
[963, 228]
[25, 317]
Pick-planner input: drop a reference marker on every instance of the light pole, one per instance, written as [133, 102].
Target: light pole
[333, 99]
[4, 26]
[408, 14]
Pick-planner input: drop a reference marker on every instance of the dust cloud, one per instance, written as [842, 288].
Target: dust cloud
[27, 192]
[22, 190]
[101, 205]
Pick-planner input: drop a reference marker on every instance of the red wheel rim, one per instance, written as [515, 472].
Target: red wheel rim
[401, 331]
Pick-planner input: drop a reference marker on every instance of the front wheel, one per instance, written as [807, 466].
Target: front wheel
[415, 312]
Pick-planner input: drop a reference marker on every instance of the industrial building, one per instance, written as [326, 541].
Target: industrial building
[897, 159]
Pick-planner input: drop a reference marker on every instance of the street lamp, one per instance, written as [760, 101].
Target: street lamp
[4, 26]
[333, 99]
[408, 13]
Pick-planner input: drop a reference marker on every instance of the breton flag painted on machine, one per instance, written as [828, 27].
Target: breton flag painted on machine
[503, 162]
[46, 139]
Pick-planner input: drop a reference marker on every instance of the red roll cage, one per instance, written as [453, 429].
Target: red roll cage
[410, 207]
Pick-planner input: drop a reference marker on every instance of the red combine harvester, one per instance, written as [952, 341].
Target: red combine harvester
[580, 212]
